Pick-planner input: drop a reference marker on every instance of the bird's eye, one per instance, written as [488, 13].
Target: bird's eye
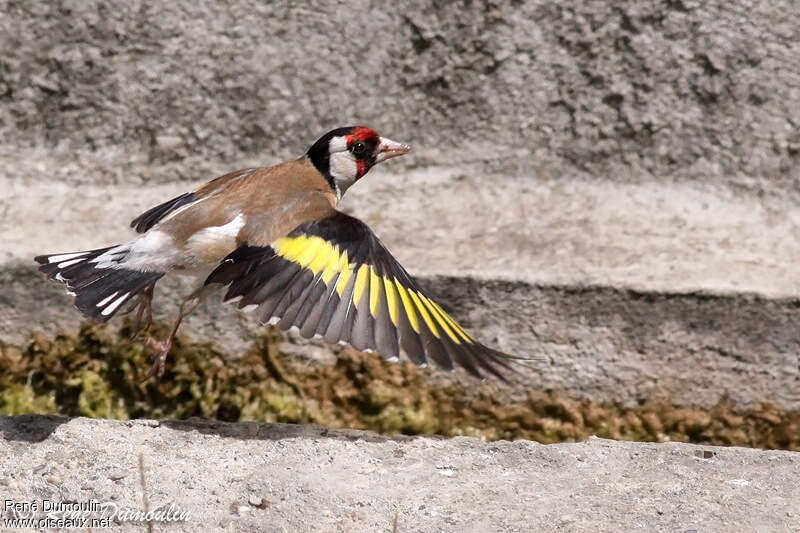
[358, 148]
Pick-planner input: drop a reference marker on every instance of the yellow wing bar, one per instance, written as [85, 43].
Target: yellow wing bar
[326, 261]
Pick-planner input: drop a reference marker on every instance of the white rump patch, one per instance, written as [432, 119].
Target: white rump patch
[249, 308]
[393, 359]
[213, 243]
[113, 305]
[423, 365]
[273, 320]
[226, 231]
[153, 251]
[65, 257]
[112, 257]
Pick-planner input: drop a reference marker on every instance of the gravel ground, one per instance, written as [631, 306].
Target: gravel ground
[260, 477]
[611, 186]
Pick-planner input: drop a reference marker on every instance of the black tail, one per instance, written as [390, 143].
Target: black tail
[100, 284]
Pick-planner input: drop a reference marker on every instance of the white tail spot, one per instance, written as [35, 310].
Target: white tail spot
[65, 257]
[113, 305]
[65, 264]
[250, 308]
[393, 359]
[107, 299]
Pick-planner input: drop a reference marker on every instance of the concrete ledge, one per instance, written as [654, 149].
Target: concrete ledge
[456, 220]
[249, 477]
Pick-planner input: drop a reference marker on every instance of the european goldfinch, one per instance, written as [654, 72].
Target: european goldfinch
[273, 238]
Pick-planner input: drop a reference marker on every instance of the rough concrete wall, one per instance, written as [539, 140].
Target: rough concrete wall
[262, 477]
[608, 145]
[707, 91]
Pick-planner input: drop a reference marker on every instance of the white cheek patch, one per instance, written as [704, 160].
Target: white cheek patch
[343, 169]
[337, 144]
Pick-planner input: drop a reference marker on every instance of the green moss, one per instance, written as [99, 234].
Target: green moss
[19, 399]
[95, 397]
[100, 375]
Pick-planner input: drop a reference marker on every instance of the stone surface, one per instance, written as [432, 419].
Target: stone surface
[261, 477]
[454, 220]
[610, 186]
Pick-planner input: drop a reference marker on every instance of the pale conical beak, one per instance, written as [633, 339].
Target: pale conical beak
[388, 149]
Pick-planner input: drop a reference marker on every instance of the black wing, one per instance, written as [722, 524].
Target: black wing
[152, 216]
[333, 279]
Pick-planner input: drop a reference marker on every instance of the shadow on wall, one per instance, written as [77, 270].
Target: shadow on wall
[37, 428]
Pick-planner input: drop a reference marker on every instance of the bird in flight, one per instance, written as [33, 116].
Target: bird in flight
[274, 240]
